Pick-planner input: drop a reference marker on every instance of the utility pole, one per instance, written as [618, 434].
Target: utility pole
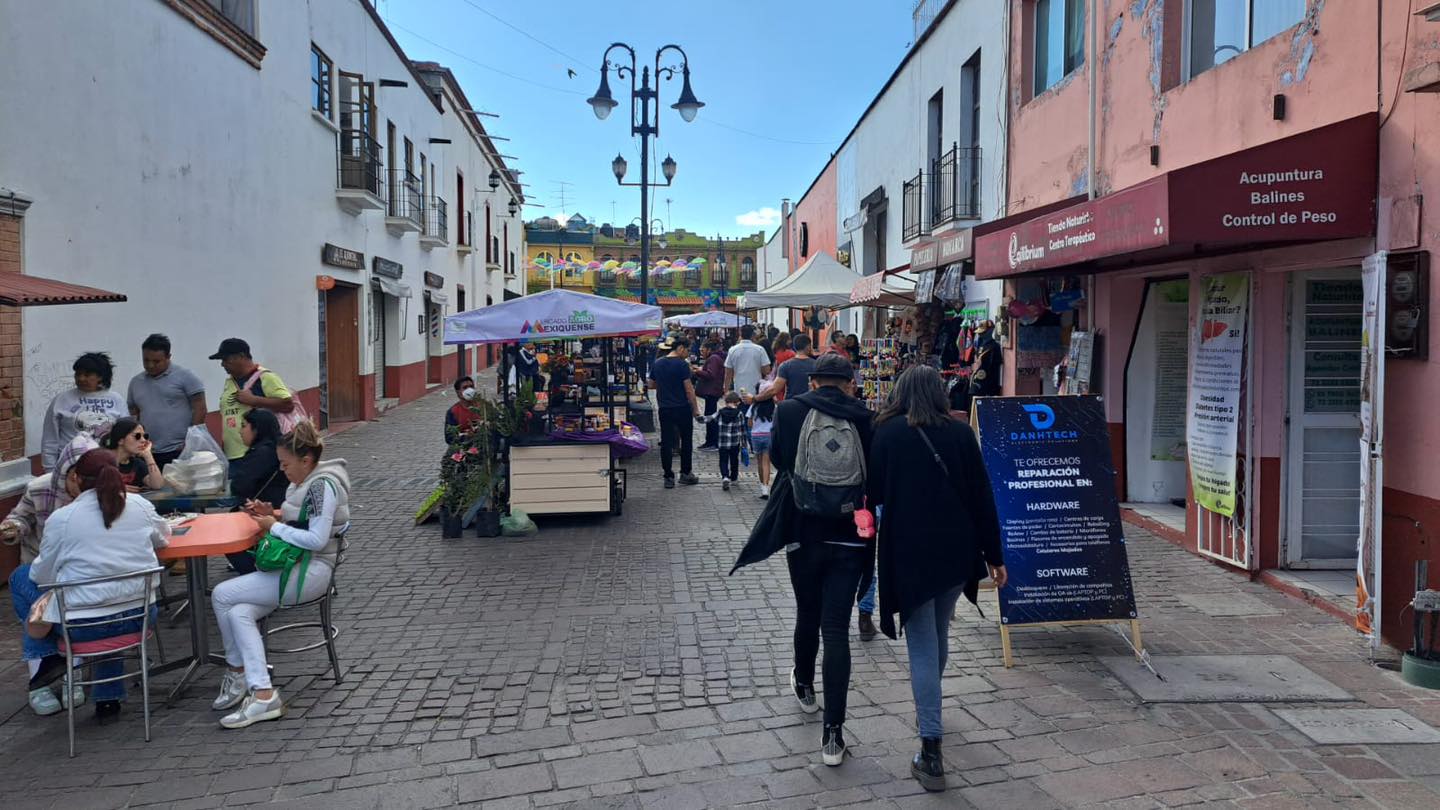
[667, 213]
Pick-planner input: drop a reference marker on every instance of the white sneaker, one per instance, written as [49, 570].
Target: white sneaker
[764, 491]
[232, 691]
[254, 710]
[77, 695]
[43, 701]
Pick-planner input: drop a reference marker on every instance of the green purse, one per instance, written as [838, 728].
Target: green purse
[275, 554]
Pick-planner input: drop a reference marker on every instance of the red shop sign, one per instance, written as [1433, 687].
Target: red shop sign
[1313, 186]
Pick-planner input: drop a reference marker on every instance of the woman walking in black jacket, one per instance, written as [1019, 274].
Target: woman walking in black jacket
[938, 535]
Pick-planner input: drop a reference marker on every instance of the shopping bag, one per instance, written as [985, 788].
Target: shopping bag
[201, 467]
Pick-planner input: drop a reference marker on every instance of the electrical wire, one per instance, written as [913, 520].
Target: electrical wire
[522, 32]
[459, 55]
[1400, 71]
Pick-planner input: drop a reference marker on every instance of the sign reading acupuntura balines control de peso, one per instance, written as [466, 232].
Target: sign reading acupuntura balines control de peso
[1054, 483]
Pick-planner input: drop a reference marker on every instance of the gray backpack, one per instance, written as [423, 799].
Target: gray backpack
[829, 476]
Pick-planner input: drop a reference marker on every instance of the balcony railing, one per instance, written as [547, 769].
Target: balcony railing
[955, 186]
[912, 203]
[437, 221]
[406, 201]
[359, 162]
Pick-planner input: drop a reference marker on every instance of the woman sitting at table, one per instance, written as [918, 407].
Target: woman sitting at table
[25, 525]
[316, 508]
[256, 475]
[131, 445]
[103, 532]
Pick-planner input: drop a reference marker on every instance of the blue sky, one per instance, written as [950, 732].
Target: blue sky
[783, 82]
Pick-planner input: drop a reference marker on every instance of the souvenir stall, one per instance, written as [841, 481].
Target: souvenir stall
[1053, 343]
[566, 461]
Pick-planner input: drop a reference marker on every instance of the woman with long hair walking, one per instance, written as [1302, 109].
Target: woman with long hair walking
[939, 537]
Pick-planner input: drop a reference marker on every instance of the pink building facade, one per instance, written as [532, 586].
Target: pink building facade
[1276, 154]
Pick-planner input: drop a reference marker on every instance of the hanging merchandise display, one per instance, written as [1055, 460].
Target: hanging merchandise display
[880, 364]
[951, 286]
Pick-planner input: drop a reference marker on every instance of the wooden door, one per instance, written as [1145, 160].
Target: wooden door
[342, 357]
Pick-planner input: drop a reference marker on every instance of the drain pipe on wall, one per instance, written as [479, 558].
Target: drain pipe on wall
[1094, 59]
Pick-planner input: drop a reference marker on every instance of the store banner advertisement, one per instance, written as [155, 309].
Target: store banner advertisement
[1217, 368]
[1372, 393]
[1054, 483]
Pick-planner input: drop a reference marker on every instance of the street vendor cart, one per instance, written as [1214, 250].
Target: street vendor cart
[566, 464]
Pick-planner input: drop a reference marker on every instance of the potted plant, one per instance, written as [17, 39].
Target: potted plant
[453, 486]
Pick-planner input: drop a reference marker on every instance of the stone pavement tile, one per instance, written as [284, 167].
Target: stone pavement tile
[1101, 783]
[326, 768]
[1411, 760]
[749, 747]
[492, 744]
[855, 771]
[849, 797]
[1112, 736]
[685, 756]
[1355, 768]
[1226, 764]
[247, 778]
[1029, 748]
[1401, 794]
[97, 799]
[1011, 794]
[242, 798]
[676, 797]
[419, 794]
[748, 710]
[734, 790]
[168, 790]
[389, 760]
[449, 751]
[578, 797]
[611, 729]
[949, 800]
[881, 728]
[593, 769]
[501, 782]
[685, 718]
[798, 782]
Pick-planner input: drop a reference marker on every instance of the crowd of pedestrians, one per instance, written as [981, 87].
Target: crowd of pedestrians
[85, 517]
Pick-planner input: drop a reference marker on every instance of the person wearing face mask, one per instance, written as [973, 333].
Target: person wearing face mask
[82, 408]
[461, 416]
[527, 367]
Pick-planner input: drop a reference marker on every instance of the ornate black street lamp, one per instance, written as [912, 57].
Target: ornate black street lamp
[644, 122]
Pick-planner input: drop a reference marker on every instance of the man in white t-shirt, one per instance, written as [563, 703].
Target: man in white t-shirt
[746, 363]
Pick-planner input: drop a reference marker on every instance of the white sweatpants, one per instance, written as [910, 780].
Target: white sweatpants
[241, 603]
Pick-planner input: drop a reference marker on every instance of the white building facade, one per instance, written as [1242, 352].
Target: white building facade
[278, 171]
[926, 162]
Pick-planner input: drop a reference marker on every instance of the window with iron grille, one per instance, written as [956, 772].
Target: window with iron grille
[747, 270]
[321, 71]
[692, 277]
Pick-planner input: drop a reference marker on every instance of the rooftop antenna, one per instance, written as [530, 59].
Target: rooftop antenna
[667, 213]
[561, 186]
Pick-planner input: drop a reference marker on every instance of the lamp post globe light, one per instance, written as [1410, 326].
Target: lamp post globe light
[645, 122]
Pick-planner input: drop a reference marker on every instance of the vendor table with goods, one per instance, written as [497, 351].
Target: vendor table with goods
[565, 461]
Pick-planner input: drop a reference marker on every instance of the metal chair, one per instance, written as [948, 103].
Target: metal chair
[325, 625]
[108, 647]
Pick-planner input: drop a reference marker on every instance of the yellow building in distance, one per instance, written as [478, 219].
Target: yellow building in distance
[547, 239]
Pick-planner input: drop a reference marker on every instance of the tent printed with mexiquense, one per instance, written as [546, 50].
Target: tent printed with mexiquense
[713, 319]
[821, 282]
[552, 315]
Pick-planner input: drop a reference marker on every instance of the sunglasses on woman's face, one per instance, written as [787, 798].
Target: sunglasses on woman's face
[140, 436]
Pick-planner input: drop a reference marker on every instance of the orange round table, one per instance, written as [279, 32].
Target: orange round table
[204, 536]
[212, 536]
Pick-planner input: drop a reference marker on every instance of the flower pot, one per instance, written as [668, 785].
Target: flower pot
[487, 523]
[450, 524]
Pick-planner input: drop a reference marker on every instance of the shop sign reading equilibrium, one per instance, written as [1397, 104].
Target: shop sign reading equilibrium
[1054, 484]
[336, 256]
[1311, 186]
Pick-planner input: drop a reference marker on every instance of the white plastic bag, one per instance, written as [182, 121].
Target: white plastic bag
[201, 467]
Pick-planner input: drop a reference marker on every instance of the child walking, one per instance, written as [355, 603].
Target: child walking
[731, 421]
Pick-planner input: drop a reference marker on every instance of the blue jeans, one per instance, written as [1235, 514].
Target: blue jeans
[867, 602]
[927, 637]
[24, 592]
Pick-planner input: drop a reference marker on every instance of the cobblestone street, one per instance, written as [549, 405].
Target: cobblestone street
[610, 662]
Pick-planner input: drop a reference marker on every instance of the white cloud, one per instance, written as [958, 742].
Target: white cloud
[762, 218]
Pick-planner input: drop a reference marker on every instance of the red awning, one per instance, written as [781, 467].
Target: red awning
[1309, 187]
[19, 290]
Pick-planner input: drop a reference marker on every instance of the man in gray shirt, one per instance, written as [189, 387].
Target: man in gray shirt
[166, 398]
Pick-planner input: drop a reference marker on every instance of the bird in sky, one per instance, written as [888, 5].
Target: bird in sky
[570, 71]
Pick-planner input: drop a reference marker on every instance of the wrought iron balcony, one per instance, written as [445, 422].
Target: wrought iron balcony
[406, 213]
[437, 224]
[912, 204]
[360, 181]
[955, 186]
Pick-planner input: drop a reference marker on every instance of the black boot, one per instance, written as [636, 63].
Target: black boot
[832, 749]
[928, 767]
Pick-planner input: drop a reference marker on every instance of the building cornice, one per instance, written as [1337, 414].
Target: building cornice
[13, 203]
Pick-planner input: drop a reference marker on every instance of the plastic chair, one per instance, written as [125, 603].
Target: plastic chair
[327, 627]
[108, 647]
